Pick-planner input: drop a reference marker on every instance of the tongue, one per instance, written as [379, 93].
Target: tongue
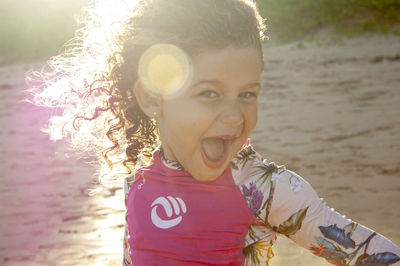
[213, 148]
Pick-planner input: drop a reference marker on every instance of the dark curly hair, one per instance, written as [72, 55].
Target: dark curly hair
[92, 80]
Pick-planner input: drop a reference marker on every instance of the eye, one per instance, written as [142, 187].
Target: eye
[248, 95]
[208, 94]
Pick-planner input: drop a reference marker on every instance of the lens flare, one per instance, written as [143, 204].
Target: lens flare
[165, 69]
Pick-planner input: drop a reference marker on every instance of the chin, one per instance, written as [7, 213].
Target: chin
[203, 178]
[208, 175]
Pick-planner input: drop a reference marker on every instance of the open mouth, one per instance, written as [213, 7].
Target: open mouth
[215, 151]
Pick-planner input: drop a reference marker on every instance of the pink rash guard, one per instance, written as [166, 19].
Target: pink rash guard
[175, 220]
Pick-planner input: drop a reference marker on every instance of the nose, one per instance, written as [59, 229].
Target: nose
[232, 115]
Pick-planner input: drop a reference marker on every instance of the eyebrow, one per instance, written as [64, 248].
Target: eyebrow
[220, 84]
[208, 82]
[252, 85]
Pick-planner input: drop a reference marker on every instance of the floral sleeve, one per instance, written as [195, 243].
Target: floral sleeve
[286, 204]
[301, 215]
[126, 258]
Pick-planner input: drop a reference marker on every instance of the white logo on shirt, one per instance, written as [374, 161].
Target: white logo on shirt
[167, 205]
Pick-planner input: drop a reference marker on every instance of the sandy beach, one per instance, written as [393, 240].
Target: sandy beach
[329, 110]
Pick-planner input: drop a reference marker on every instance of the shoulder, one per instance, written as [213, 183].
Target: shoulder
[249, 166]
[254, 174]
[128, 182]
[255, 177]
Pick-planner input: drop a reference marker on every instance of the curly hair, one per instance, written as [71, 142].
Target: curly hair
[90, 82]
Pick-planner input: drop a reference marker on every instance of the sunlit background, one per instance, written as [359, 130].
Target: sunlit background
[46, 217]
[37, 28]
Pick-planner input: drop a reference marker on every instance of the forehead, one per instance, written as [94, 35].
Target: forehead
[230, 62]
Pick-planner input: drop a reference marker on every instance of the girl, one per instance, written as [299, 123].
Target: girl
[167, 89]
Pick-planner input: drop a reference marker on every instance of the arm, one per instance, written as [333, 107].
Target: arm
[298, 212]
[285, 203]
[126, 258]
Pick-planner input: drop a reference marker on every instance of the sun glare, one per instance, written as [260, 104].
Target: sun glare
[165, 69]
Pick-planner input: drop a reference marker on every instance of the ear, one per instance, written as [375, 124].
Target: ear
[149, 102]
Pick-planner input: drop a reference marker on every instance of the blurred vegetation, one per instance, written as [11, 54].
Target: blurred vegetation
[31, 29]
[293, 19]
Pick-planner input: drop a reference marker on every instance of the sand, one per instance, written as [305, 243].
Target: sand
[329, 110]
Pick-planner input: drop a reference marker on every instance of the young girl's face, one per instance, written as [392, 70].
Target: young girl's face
[205, 126]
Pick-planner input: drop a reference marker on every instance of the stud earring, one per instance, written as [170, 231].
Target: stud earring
[155, 113]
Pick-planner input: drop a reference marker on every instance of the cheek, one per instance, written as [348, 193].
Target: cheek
[182, 126]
